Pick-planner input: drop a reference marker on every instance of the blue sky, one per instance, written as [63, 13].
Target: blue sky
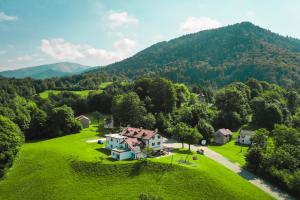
[99, 32]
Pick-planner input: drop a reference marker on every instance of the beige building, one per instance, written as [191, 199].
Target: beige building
[85, 121]
[222, 136]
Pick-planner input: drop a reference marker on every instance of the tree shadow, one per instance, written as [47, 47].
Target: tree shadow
[137, 168]
[104, 151]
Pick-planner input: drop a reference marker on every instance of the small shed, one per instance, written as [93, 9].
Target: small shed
[245, 137]
[85, 121]
[222, 136]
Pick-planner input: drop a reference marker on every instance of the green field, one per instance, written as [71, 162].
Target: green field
[46, 93]
[232, 151]
[70, 168]
[104, 85]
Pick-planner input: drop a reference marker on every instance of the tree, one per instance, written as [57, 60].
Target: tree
[10, 142]
[234, 106]
[260, 137]
[128, 109]
[148, 121]
[293, 101]
[62, 122]
[254, 158]
[286, 135]
[162, 124]
[206, 130]
[100, 101]
[37, 126]
[192, 136]
[179, 132]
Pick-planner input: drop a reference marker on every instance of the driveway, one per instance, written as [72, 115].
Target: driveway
[255, 180]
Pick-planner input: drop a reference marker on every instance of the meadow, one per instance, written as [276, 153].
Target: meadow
[70, 168]
[45, 94]
[232, 151]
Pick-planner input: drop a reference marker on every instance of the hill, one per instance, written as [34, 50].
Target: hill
[70, 168]
[218, 56]
[46, 71]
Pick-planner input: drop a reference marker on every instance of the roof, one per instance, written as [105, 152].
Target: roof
[247, 132]
[132, 142]
[119, 150]
[224, 131]
[82, 117]
[138, 133]
[116, 135]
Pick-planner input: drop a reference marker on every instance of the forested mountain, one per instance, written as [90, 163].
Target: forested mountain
[219, 56]
[46, 71]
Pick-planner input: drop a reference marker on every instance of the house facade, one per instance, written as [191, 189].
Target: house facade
[85, 121]
[130, 142]
[222, 136]
[245, 137]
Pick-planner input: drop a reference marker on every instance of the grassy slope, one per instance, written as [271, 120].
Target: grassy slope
[232, 151]
[70, 168]
[83, 93]
[46, 93]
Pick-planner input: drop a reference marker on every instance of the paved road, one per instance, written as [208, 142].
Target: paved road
[262, 184]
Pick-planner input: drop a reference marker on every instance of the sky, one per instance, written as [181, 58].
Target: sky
[99, 32]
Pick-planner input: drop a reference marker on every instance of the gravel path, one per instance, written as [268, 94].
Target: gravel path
[262, 184]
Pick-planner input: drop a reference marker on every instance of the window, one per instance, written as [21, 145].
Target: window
[111, 146]
[158, 136]
[158, 143]
[118, 156]
[153, 144]
[111, 139]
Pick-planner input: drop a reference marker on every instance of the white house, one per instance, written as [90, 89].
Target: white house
[245, 137]
[129, 143]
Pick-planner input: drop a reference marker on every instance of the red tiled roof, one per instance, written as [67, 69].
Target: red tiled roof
[132, 142]
[138, 133]
[224, 131]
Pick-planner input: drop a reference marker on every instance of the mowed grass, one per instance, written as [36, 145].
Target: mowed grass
[45, 94]
[70, 168]
[105, 85]
[234, 152]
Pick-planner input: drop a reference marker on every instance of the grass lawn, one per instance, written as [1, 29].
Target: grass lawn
[232, 151]
[46, 93]
[69, 168]
[104, 85]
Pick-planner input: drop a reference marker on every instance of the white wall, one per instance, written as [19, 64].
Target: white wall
[122, 156]
[246, 139]
[156, 143]
[112, 143]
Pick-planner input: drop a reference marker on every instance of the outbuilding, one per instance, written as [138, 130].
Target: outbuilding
[222, 136]
[245, 137]
[85, 121]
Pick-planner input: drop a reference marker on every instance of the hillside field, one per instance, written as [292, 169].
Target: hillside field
[232, 151]
[70, 168]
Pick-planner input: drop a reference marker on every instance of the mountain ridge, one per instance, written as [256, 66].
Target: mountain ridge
[46, 71]
[218, 56]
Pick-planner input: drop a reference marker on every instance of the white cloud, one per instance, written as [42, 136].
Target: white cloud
[121, 18]
[250, 16]
[195, 24]
[125, 45]
[59, 49]
[2, 52]
[25, 58]
[4, 17]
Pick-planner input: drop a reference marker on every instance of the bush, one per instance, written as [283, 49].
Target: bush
[10, 142]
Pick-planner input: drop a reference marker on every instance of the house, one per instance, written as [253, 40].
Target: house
[222, 136]
[245, 137]
[130, 143]
[85, 121]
